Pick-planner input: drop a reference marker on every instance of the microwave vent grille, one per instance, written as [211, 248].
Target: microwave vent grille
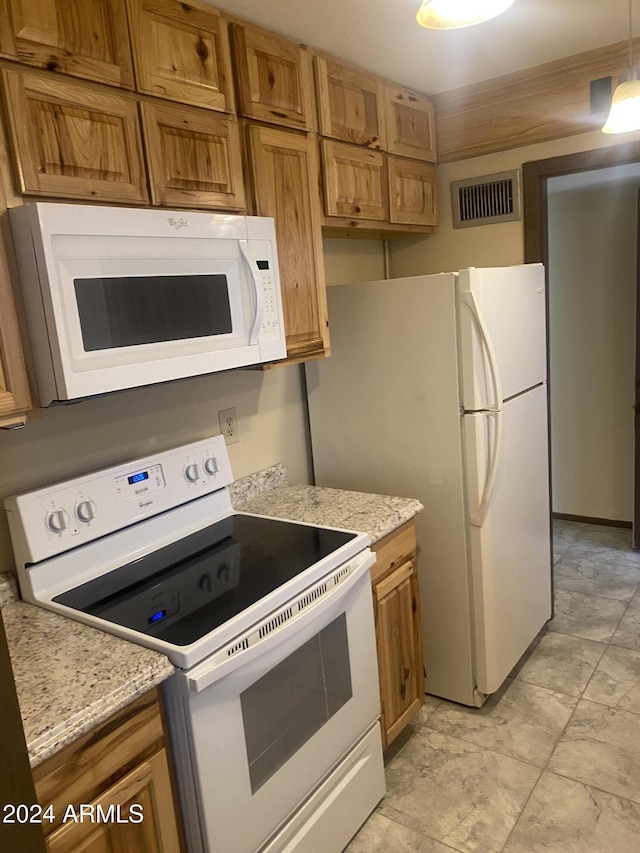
[485, 200]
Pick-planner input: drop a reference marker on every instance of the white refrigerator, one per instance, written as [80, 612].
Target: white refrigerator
[437, 389]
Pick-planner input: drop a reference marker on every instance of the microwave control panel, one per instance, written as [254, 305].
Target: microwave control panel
[270, 328]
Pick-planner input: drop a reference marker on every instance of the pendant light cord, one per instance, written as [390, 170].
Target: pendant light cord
[630, 39]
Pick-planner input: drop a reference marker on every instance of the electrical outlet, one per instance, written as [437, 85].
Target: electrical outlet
[229, 425]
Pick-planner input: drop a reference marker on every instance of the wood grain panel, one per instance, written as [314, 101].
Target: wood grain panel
[81, 771]
[194, 157]
[15, 399]
[285, 180]
[274, 77]
[85, 38]
[181, 52]
[350, 103]
[549, 101]
[74, 140]
[355, 181]
[413, 192]
[410, 123]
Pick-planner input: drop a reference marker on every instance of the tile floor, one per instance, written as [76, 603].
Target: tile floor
[552, 761]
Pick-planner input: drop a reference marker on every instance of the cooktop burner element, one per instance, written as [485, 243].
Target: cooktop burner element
[190, 587]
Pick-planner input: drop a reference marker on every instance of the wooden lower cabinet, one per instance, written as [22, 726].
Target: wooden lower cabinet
[111, 789]
[396, 603]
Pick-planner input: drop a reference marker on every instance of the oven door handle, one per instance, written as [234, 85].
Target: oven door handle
[206, 674]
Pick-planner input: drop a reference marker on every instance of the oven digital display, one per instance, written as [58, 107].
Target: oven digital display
[136, 485]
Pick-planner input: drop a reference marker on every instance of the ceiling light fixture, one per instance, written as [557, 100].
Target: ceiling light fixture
[625, 104]
[452, 14]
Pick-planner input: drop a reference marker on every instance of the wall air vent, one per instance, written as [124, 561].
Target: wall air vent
[491, 198]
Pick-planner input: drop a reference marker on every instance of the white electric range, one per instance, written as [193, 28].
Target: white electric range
[273, 709]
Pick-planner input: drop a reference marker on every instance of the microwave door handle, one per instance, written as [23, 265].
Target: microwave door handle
[257, 289]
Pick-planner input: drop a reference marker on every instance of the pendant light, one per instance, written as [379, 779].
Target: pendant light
[625, 104]
[452, 14]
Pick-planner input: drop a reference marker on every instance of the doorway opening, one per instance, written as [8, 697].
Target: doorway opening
[581, 222]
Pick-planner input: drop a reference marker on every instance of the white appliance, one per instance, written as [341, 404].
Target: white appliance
[121, 297]
[273, 710]
[436, 388]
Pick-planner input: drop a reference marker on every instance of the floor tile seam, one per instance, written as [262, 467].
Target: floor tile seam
[418, 831]
[613, 645]
[596, 595]
[524, 806]
[494, 749]
[605, 646]
[584, 698]
[582, 637]
[594, 787]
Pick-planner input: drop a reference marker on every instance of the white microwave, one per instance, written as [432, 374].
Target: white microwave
[120, 297]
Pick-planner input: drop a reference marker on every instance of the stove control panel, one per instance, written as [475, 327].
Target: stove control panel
[49, 521]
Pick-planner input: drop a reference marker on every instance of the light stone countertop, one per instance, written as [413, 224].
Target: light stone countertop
[70, 677]
[376, 515]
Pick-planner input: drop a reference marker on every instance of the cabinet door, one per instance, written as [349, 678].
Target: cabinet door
[181, 52]
[413, 194]
[274, 78]
[355, 181]
[86, 38]
[144, 793]
[409, 123]
[284, 172]
[74, 140]
[398, 637]
[350, 103]
[14, 387]
[194, 157]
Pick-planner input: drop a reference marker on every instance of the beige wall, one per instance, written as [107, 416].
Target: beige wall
[69, 440]
[592, 260]
[352, 260]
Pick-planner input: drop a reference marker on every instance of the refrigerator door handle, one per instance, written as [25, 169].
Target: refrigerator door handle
[478, 518]
[470, 301]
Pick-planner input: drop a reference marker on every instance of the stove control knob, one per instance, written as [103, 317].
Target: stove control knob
[191, 472]
[57, 520]
[211, 465]
[85, 510]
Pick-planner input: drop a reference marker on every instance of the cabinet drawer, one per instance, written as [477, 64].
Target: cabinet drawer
[74, 140]
[393, 550]
[194, 157]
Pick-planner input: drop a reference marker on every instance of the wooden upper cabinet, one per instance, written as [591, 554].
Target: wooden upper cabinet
[15, 400]
[350, 103]
[410, 125]
[194, 157]
[85, 38]
[285, 183]
[74, 140]
[355, 181]
[181, 52]
[274, 78]
[413, 193]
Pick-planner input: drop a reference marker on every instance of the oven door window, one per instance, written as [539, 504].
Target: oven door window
[287, 706]
[132, 310]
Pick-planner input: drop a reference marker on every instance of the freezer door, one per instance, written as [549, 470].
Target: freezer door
[501, 313]
[510, 551]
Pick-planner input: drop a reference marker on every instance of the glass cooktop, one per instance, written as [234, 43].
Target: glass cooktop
[188, 588]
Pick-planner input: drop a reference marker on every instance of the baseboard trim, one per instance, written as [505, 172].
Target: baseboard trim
[585, 519]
